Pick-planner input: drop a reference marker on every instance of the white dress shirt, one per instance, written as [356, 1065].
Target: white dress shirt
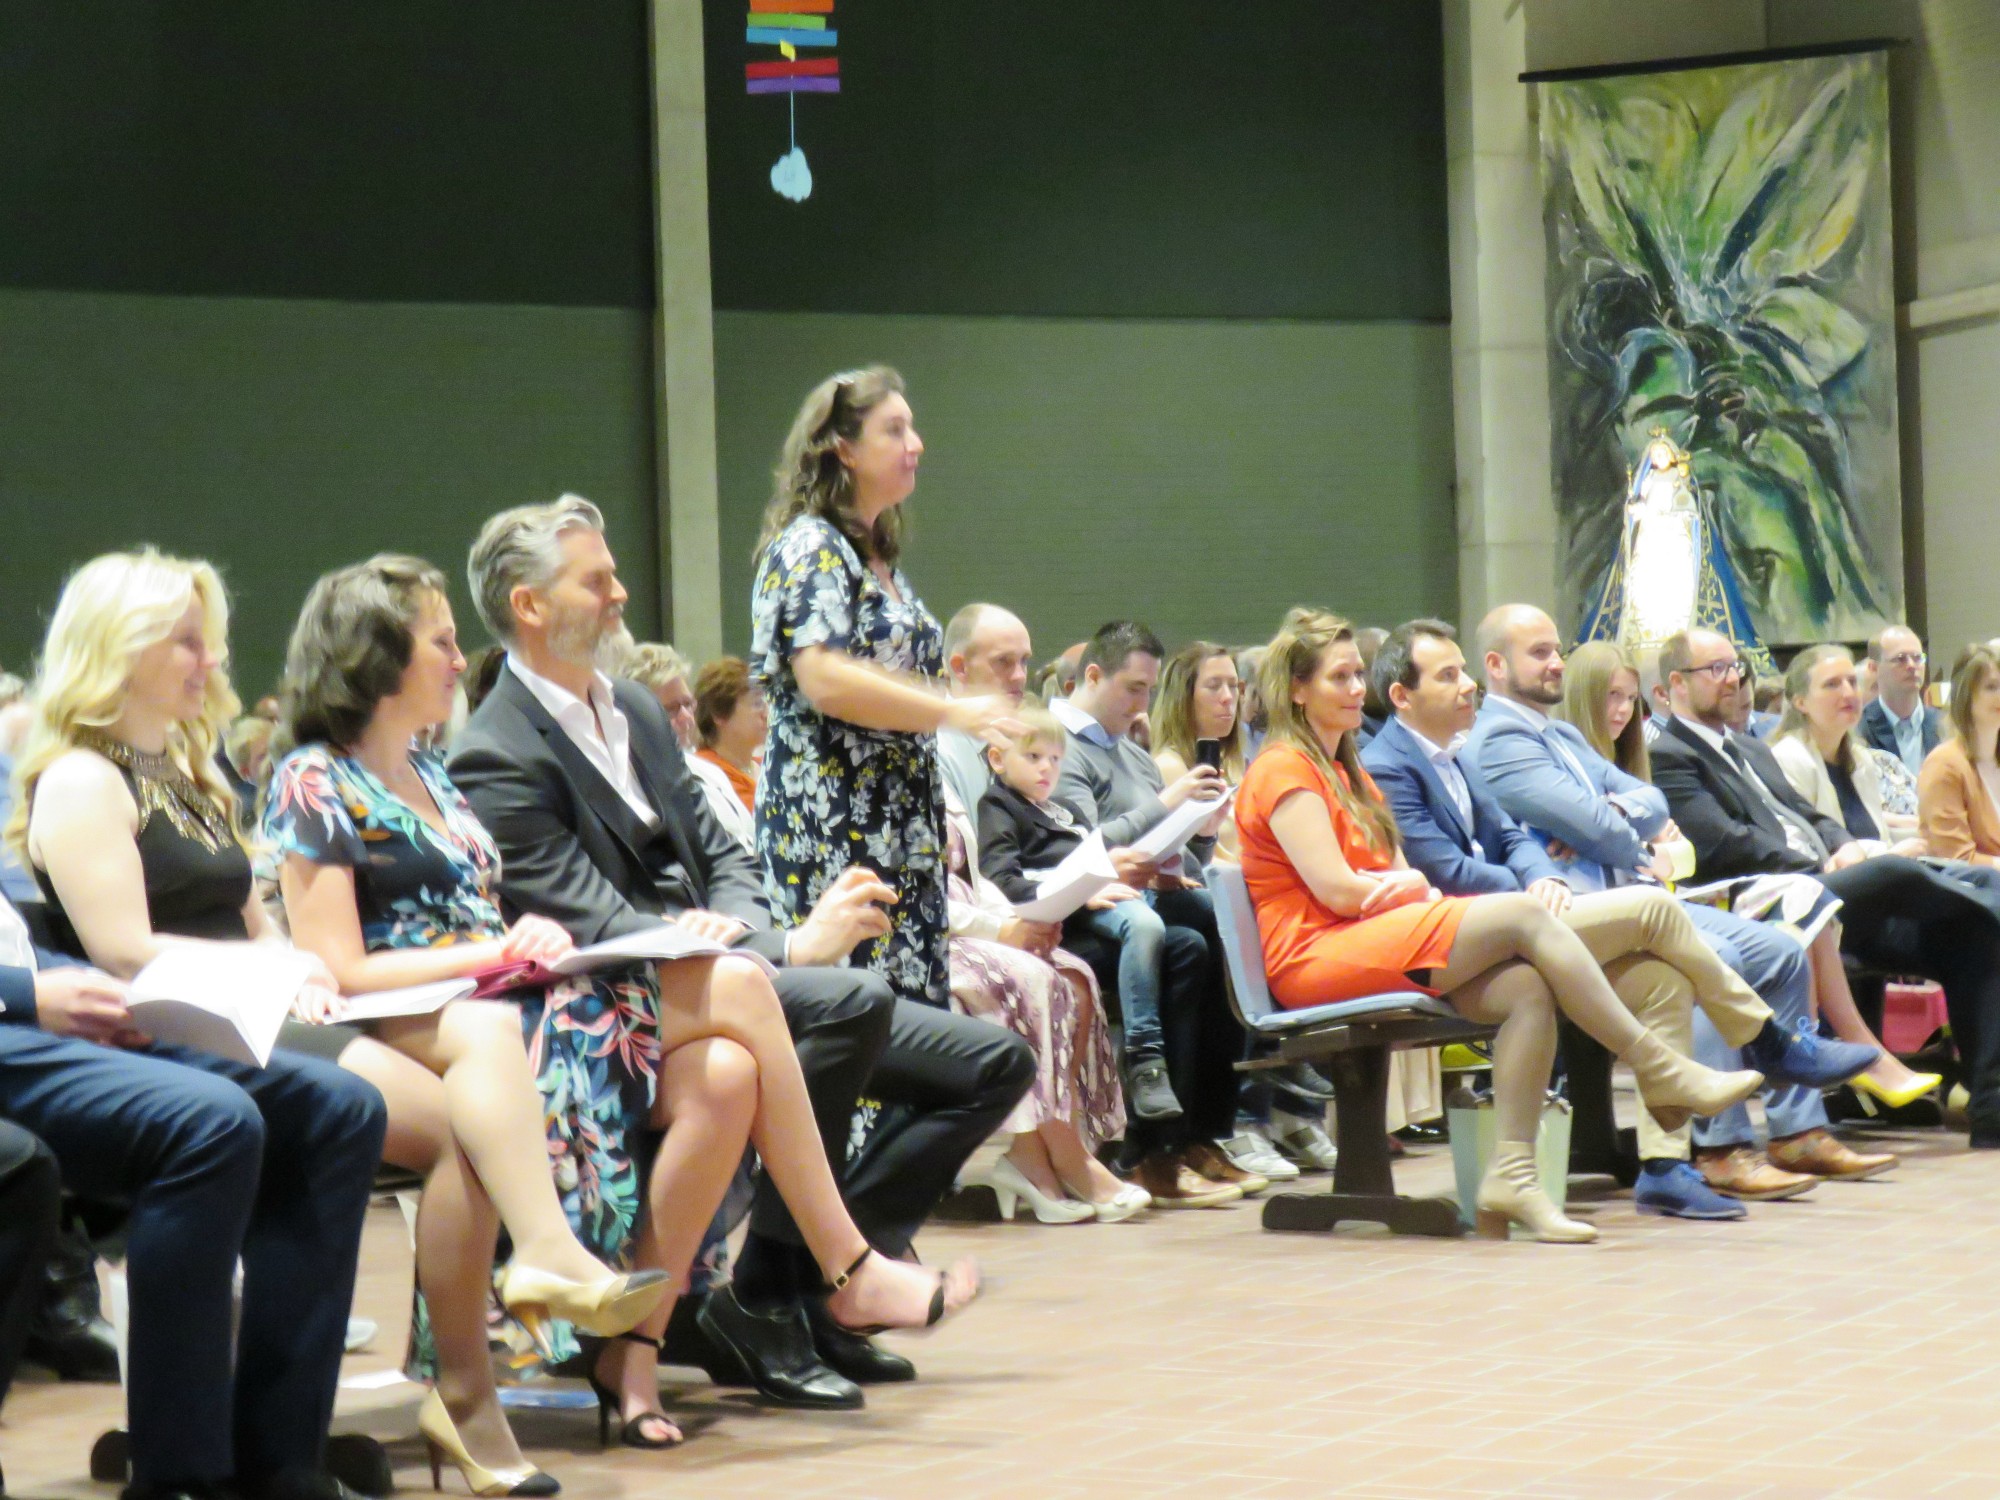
[598, 728]
[736, 819]
[1444, 760]
[17, 949]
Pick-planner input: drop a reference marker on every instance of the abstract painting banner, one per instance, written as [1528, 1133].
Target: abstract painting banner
[1719, 268]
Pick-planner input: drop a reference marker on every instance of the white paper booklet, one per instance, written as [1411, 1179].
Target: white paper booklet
[409, 1000]
[661, 944]
[1082, 874]
[225, 998]
[1167, 836]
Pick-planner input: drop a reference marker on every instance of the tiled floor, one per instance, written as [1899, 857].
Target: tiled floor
[1847, 1343]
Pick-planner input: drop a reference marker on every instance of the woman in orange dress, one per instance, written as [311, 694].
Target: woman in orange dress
[1343, 916]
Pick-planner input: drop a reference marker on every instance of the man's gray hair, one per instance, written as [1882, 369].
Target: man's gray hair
[653, 665]
[521, 547]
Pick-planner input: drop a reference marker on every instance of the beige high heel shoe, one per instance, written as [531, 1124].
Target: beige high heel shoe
[1512, 1193]
[441, 1438]
[607, 1307]
[1676, 1088]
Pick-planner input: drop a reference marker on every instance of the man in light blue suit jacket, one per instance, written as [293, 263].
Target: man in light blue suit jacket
[1599, 824]
[1468, 846]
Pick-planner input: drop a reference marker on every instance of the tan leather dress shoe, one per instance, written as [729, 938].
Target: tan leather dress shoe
[1210, 1162]
[1175, 1184]
[1742, 1172]
[1817, 1152]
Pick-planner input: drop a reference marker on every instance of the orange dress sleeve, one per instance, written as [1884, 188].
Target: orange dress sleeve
[1313, 955]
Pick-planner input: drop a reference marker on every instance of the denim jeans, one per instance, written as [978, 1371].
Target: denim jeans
[1147, 955]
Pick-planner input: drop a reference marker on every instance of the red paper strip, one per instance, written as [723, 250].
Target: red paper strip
[805, 67]
[791, 7]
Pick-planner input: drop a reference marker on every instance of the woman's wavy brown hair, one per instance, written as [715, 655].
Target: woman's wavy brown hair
[1294, 655]
[812, 480]
[350, 648]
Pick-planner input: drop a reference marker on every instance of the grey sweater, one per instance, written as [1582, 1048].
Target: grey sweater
[1117, 790]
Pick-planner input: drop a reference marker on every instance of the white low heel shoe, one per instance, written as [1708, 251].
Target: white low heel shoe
[1010, 1185]
[1127, 1201]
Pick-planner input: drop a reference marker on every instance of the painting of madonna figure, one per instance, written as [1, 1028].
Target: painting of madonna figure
[1719, 268]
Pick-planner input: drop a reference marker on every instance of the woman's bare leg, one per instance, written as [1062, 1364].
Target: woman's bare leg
[475, 1047]
[1081, 1174]
[732, 997]
[1513, 996]
[1496, 929]
[707, 1098]
[1834, 999]
[456, 1230]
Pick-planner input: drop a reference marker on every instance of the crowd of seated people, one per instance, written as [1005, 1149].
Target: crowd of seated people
[845, 821]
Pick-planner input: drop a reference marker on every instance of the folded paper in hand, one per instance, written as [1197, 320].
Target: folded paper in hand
[1058, 892]
[1167, 836]
[225, 998]
[659, 945]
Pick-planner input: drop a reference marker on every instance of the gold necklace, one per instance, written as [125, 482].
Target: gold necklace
[160, 786]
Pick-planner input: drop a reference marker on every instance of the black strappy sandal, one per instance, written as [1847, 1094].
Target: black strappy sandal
[931, 1321]
[610, 1403]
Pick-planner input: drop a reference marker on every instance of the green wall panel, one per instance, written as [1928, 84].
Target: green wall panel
[284, 438]
[1202, 476]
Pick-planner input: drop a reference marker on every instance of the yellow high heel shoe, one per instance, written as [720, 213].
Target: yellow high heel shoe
[441, 1438]
[606, 1307]
[1919, 1085]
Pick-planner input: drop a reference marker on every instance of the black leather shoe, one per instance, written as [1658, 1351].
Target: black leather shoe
[1430, 1133]
[69, 1335]
[775, 1354]
[860, 1359]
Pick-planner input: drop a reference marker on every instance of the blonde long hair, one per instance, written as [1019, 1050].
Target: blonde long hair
[1586, 705]
[112, 609]
[1294, 655]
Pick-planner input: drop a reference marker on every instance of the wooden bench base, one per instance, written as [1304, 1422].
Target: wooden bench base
[1319, 1212]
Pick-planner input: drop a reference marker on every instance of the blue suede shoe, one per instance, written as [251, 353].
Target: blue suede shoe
[1800, 1057]
[1675, 1189]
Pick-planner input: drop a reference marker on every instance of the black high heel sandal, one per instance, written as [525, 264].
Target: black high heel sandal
[931, 1321]
[610, 1403]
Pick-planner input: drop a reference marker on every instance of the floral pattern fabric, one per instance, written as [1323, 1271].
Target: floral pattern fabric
[593, 1043]
[833, 794]
[1053, 1006]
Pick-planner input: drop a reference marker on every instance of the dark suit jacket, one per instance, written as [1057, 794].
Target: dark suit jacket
[571, 849]
[1733, 830]
[1877, 731]
[1435, 838]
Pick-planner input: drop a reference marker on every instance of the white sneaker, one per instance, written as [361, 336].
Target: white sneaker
[1304, 1141]
[1251, 1150]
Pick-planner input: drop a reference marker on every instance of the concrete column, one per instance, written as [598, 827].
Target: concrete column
[688, 569]
[1500, 382]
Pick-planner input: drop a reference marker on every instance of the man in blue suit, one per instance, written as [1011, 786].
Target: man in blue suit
[1468, 846]
[212, 1159]
[1601, 826]
[1898, 720]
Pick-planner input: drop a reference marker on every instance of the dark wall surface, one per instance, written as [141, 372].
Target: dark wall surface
[1093, 158]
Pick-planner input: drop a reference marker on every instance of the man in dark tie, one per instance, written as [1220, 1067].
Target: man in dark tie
[1731, 798]
[1898, 720]
[601, 827]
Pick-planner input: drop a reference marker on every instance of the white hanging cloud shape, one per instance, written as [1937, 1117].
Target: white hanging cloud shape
[791, 177]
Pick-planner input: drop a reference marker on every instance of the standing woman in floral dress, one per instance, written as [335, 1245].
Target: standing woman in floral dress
[850, 660]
